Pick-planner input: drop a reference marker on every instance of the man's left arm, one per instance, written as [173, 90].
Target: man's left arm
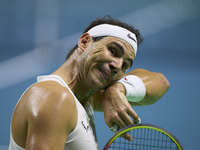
[156, 85]
[116, 107]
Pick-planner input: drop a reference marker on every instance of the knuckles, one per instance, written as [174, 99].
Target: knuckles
[112, 118]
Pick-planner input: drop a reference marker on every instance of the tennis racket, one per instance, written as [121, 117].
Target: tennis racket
[145, 137]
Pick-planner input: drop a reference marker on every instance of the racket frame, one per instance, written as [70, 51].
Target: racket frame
[145, 126]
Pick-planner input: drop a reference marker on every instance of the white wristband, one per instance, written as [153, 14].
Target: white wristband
[135, 88]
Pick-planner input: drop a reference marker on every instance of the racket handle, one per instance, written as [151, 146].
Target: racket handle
[137, 121]
[116, 127]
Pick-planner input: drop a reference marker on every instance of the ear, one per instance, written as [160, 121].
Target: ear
[84, 41]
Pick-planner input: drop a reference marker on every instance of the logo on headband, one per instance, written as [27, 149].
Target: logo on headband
[129, 36]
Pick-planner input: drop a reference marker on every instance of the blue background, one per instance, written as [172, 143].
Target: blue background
[36, 35]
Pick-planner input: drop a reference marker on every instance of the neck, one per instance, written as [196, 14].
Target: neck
[70, 73]
[82, 93]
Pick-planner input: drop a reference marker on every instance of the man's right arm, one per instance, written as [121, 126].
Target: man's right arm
[49, 122]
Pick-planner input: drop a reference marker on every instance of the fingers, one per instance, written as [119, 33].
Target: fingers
[133, 114]
[120, 118]
[124, 120]
[123, 117]
[126, 136]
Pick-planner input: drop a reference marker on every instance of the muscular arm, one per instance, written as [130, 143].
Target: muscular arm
[156, 86]
[116, 107]
[50, 115]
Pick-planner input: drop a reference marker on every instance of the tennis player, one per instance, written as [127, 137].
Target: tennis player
[56, 113]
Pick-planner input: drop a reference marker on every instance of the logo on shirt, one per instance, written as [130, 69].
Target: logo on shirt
[84, 126]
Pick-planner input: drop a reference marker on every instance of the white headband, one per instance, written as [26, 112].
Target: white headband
[116, 31]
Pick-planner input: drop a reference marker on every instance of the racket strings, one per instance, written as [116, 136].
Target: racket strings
[145, 139]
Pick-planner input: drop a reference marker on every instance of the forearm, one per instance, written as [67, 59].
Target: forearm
[156, 85]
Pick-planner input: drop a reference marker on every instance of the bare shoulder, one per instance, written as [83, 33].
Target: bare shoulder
[46, 107]
[50, 92]
[51, 98]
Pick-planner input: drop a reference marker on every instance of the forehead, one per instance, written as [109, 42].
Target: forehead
[128, 49]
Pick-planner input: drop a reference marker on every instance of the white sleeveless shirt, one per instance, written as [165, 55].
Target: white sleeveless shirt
[83, 137]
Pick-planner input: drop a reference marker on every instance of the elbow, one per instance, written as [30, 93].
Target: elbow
[164, 82]
[162, 87]
[155, 89]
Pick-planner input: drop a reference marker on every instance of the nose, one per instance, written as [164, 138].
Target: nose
[116, 65]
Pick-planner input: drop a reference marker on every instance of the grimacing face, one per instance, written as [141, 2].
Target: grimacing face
[105, 62]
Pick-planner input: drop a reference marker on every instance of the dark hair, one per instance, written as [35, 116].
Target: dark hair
[108, 20]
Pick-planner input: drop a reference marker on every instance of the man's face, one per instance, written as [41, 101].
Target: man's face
[105, 62]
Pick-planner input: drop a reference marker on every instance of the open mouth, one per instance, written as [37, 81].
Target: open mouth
[104, 74]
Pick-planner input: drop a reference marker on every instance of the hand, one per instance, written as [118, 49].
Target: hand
[117, 108]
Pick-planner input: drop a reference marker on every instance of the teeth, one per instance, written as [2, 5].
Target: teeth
[104, 75]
